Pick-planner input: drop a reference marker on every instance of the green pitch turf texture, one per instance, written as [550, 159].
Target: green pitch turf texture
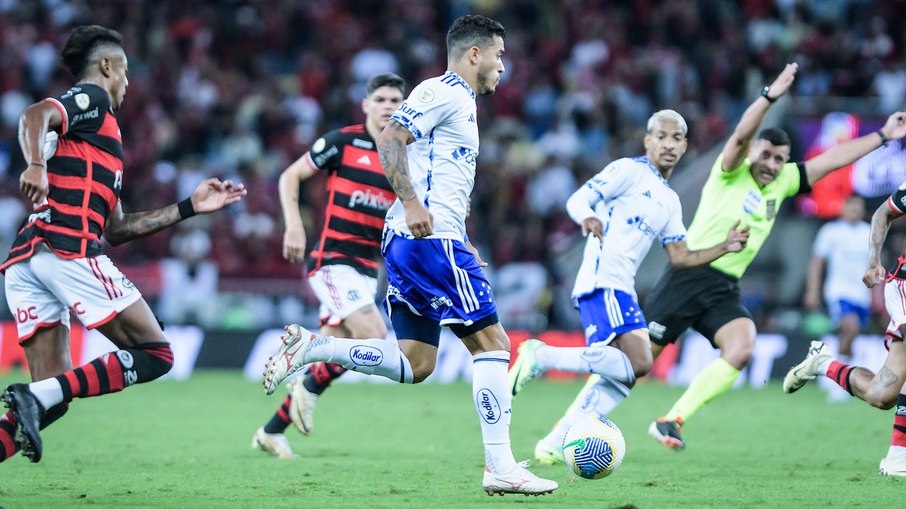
[187, 444]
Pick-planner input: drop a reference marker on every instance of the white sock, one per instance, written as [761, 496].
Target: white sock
[595, 401]
[370, 356]
[490, 392]
[603, 360]
[48, 392]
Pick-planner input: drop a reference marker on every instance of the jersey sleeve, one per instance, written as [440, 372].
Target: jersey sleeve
[674, 230]
[897, 201]
[822, 247]
[793, 179]
[327, 151]
[83, 109]
[429, 104]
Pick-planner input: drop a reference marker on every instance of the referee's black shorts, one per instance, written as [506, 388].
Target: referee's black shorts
[703, 298]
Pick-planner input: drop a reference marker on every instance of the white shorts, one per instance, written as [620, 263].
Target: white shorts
[342, 290]
[895, 302]
[42, 290]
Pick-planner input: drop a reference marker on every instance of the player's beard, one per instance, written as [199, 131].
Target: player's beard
[486, 83]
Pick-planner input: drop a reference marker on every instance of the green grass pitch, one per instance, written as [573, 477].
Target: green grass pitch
[187, 444]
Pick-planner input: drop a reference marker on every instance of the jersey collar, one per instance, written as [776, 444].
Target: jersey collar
[450, 75]
[644, 159]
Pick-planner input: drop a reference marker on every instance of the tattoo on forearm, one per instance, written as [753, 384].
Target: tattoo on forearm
[141, 224]
[394, 160]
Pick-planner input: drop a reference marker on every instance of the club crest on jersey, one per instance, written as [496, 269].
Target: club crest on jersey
[82, 101]
[426, 95]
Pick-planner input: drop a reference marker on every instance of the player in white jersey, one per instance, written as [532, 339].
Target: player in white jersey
[624, 208]
[838, 254]
[434, 278]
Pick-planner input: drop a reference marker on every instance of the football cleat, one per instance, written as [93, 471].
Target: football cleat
[669, 433]
[302, 406]
[806, 370]
[547, 455]
[520, 480]
[525, 369]
[28, 413]
[275, 444]
[894, 465]
[289, 357]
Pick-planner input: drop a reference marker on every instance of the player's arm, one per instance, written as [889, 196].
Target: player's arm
[580, 205]
[880, 223]
[682, 258]
[391, 145]
[288, 188]
[813, 282]
[849, 151]
[210, 195]
[737, 145]
[34, 124]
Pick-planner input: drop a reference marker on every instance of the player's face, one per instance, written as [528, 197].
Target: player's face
[766, 160]
[853, 209]
[380, 105]
[490, 66]
[665, 145]
[119, 65]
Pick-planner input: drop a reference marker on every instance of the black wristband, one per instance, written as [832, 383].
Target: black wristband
[884, 139]
[764, 93]
[186, 210]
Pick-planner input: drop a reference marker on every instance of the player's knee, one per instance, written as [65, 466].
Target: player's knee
[642, 364]
[881, 398]
[370, 331]
[739, 355]
[158, 359]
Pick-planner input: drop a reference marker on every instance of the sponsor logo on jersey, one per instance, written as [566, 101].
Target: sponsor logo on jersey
[751, 202]
[321, 159]
[367, 145]
[590, 331]
[44, 215]
[426, 95]
[409, 111]
[84, 116]
[127, 283]
[365, 355]
[656, 330]
[364, 160]
[488, 406]
[368, 199]
[353, 295]
[465, 154]
[641, 225]
[82, 101]
[443, 300]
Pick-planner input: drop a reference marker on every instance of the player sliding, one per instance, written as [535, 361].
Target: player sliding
[886, 388]
[434, 278]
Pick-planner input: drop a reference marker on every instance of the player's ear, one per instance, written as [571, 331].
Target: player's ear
[365, 106]
[105, 66]
[474, 53]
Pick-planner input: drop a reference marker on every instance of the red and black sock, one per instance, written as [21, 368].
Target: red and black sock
[839, 373]
[7, 431]
[320, 375]
[280, 421]
[899, 423]
[114, 371]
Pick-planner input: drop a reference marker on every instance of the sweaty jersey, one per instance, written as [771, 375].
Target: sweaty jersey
[729, 196]
[359, 196]
[844, 247]
[441, 115]
[636, 205]
[85, 175]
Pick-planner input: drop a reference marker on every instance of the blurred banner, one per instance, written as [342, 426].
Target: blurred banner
[194, 348]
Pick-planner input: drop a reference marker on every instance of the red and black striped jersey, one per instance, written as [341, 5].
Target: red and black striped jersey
[85, 175]
[358, 198]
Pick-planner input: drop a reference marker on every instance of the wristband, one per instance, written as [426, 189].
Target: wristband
[186, 210]
[764, 93]
[884, 139]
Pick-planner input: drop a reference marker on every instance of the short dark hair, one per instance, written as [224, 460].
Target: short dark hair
[472, 30]
[775, 136]
[386, 80]
[84, 41]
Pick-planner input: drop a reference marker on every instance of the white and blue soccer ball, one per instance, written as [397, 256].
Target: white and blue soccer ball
[593, 448]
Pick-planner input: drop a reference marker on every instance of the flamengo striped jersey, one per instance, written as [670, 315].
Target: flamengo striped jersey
[85, 175]
[359, 196]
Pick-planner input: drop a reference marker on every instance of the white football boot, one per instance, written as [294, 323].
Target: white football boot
[273, 443]
[895, 462]
[520, 480]
[302, 406]
[806, 370]
[289, 357]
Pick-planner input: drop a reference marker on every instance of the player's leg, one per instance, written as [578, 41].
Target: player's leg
[489, 346]
[895, 461]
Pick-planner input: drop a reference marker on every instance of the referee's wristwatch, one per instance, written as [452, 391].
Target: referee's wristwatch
[764, 93]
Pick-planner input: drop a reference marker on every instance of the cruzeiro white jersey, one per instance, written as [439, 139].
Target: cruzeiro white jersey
[636, 205]
[844, 247]
[441, 115]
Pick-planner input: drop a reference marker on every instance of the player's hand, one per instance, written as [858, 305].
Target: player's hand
[895, 127]
[33, 182]
[419, 220]
[294, 245]
[874, 275]
[470, 247]
[783, 81]
[212, 194]
[594, 226]
[737, 238]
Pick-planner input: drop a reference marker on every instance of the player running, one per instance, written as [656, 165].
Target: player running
[57, 265]
[749, 181]
[344, 264]
[624, 208]
[886, 388]
[433, 277]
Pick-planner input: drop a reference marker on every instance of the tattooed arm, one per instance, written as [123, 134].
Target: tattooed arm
[210, 195]
[391, 145]
[880, 222]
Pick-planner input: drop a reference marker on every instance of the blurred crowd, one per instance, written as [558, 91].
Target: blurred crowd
[240, 89]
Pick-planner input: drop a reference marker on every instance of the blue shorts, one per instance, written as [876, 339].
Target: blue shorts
[839, 308]
[607, 313]
[438, 279]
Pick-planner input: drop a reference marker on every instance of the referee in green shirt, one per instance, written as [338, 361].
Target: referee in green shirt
[748, 182]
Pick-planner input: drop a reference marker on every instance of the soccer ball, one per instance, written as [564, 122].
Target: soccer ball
[593, 448]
